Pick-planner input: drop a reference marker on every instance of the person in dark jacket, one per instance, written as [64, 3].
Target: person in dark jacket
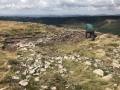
[90, 33]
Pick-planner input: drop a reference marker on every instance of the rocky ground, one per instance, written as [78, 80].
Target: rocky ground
[61, 60]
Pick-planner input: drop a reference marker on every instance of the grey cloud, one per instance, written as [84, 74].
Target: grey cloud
[60, 6]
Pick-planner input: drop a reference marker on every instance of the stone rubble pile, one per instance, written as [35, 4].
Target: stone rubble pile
[36, 64]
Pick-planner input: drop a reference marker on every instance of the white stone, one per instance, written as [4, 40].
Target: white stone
[17, 72]
[88, 63]
[24, 65]
[36, 74]
[9, 66]
[72, 57]
[95, 65]
[32, 71]
[23, 49]
[15, 77]
[86, 58]
[46, 66]
[44, 87]
[98, 72]
[36, 60]
[23, 83]
[66, 57]
[37, 79]
[66, 86]
[51, 61]
[53, 88]
[76, 60]
[60, 62]
[43, 70]
[79, 58]
[115, 85]
[25, 72]
[58, 58]
[72, 72]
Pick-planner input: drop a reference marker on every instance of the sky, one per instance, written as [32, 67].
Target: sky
[59, 7]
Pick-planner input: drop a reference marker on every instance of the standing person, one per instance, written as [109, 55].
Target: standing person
[90, 31]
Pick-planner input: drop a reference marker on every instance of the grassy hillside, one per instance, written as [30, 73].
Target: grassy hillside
[75, 22]
[109, 26]
[51, 58]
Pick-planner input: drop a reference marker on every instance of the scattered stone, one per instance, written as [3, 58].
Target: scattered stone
[25, 72]
[98, 72]
[53, 88]
[36, 74]
[23, 49]
[71, 72]
[23, 83]
[17, 72]
[32, 71]
[58, 58]
[15, 77]
[9, 66]
[44, 87]
[28, 76]
[86, 58]
[72, 58]
[37, 64]
[66, 57]
[37, 79]
[88, 63]
[60, 62]
[115, 85]
[95, 65]
[43, 70]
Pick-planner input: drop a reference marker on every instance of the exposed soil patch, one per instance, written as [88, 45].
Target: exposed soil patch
[11, 42]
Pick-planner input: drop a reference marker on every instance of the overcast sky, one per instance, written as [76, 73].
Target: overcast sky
[59, 7]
